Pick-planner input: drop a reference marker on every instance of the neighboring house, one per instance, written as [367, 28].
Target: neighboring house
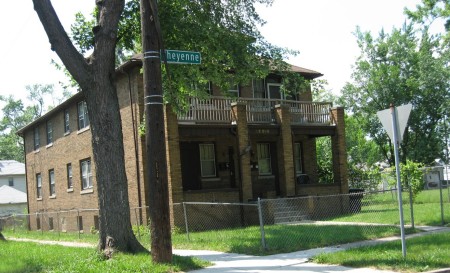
[237, 148]
[12, 173]
[12, 201]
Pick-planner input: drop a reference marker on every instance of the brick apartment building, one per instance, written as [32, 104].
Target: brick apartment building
[223, 149]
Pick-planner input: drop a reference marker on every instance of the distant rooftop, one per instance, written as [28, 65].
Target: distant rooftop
[9, 195]
[11, 167]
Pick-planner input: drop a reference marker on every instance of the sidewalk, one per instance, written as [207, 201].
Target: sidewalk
[288, 262]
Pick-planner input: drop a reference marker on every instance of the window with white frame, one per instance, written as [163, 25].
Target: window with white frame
[37, 141]
[264, 160]
[83, 117]
[69, 176]
[259, 91]
[38, 185]
[233, 90]
[298, 158]
[66, 121]
[86, 174]
[51, 180]
[49, 132]
[207, 160]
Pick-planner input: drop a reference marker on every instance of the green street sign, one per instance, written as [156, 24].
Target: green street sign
[183, 57]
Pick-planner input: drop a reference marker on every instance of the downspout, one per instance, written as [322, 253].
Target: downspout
[136, 150]
[26, 183]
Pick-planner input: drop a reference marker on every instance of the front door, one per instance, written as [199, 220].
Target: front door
[190, 165]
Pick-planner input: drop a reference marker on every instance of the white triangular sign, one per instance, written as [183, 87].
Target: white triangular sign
[385, 117]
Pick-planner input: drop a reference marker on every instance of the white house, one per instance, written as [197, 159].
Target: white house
[12, 174]
[12, 201]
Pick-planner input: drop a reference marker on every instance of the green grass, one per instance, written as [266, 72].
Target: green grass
[383, 209]
[279, 238]
[423, 253]
[24, 257]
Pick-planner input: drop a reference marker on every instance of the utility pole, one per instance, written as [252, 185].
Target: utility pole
[156, 165]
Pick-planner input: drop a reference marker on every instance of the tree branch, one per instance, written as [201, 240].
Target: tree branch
[61, 44]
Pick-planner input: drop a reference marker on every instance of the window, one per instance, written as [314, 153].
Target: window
[298, 158]
[38, 223]
[49, 132]
[258, 89]
[80, 222]
[86, 174]
[83, 118]
[36, 138]
[11, 181]
[51, 181]
[274, 91]
[96, 224]
[264, 161]
[66, 121]
[207, 160]
[39, 185]
[50, 223]
[233, 90]
[69, 176]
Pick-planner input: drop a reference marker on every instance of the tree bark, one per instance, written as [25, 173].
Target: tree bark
[96, 77]
[156, 165]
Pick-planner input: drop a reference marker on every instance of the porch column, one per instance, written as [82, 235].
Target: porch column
[239, 117]
[340, 168]
[287, 172]
[173, 160]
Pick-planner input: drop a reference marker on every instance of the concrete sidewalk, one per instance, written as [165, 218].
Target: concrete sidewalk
[288, 262]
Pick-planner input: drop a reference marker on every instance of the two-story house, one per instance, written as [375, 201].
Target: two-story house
[255, 143]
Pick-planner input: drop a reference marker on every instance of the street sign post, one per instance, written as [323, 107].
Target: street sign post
[182, 57]
[399, 118]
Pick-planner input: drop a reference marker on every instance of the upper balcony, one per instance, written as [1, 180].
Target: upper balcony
[259, 111]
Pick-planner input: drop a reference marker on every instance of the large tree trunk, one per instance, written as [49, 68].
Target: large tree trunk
[95, 76]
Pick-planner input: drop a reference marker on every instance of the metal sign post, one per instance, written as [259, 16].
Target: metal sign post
[395, 126]
[399, 183]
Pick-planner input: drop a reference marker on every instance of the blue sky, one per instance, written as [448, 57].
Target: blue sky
[321, 30]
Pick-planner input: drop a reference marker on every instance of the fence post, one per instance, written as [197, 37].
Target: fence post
[261, 225]
[411, 206]
[57, 225]
[14, 223]
[442, 203]
[78, 224]
[186, 221]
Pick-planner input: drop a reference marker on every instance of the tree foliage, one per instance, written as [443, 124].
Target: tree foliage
[225, 32]
[17, 113]
[400, 68]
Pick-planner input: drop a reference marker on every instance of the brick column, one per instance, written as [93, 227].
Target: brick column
[287, 174]
[239, 117]
[173, 160]
[339, 150]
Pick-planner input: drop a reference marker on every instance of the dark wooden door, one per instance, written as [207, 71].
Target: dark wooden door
[190, 165]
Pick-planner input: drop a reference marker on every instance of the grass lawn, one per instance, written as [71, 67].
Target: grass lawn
[27, 257]
[423, 253]
[279, 238]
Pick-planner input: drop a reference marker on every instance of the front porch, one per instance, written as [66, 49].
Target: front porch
[236, 150]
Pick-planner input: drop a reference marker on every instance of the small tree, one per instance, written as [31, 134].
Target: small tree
[412, 177]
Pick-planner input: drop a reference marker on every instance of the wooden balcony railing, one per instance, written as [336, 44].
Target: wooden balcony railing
[218, 110]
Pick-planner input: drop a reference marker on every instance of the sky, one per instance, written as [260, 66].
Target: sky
[321, 30]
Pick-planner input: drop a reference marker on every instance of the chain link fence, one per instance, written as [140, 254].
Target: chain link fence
[289, 224]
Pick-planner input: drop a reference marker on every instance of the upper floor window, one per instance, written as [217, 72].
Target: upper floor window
[298, 158]
[207, 160]
[51, 181]
[86, 174]
[36, 138]
[233, 90]
[83, 117]
[11, 181]
[69, 176]
[258, 89]
[38, 185]
[66, 121]
[49, 132]
[264, 160]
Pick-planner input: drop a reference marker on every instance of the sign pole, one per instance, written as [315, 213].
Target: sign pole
[399, 183]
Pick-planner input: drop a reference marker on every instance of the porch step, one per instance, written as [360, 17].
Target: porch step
[287, 212]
